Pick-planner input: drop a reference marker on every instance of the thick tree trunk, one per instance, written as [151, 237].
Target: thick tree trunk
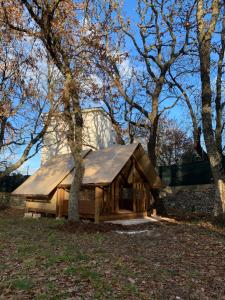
[74, 121]
[197, 144]
[152, 142]
[76, 151]
[75, 189]
[158, 203]
[214, 155]
[218, 100]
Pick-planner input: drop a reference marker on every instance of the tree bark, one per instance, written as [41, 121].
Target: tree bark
[214, 155]
[152, 142]
[215, 158]
[154, 119]
[218, 100]
[197, 144]
[74, 121]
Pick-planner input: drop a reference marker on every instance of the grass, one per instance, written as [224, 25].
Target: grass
[22, 284]
[39, 261]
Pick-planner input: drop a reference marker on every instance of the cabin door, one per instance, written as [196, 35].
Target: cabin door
[126, 199]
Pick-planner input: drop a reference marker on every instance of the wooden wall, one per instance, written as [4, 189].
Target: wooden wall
[130, 176]
[86, 204]
[42, 205]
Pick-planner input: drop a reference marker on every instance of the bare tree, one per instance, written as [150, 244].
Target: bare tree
[113, 108]
[58, 26]
[173, 144]
[219, 48]
[187, 94]
[156, 48]
[208, 13]
[22, 104]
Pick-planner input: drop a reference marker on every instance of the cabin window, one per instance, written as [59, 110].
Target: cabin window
[87, 194]
[127, 193]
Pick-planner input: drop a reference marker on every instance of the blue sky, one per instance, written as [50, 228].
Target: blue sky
[179, 112]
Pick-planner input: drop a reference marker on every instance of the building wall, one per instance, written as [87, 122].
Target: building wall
[98, 133]
[188, 199]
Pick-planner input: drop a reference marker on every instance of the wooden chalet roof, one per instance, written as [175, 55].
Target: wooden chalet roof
[101, 168]
[45, 179]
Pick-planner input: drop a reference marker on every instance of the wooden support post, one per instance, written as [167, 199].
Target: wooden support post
[57, 203]
[117, 198]
[134, 194]
[60, 202]
[98, 199]
[112, 200]
[134, 186]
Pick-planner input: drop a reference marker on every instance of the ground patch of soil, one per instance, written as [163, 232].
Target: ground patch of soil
[7, 212]
[91, 227]
[50, 259]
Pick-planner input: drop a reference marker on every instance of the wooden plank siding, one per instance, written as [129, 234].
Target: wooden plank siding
[112, 195]
[98, 203]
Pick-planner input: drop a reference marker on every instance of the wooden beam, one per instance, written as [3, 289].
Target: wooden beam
[112, 199]
[98, 199]
[57, 203]
[61, 197]
[117, 197]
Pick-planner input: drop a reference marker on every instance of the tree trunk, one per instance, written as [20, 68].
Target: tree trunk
[214, 155]
[74, 121]
[218, 100]
[152, 141]
[158, 203]
[197, 144]
[76, 151]
[75, 189]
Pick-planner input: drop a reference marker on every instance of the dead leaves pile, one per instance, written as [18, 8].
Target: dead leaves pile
[181, 261]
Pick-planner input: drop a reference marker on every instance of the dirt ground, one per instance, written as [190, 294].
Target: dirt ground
[49, 259]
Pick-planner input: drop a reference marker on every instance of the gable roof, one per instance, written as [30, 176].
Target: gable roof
[147, 168]
[45, 179]
[101, 168]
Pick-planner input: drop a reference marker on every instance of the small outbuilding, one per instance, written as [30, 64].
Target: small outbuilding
[117, 184]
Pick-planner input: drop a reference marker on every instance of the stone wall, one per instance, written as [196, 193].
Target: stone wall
[7, 199]
[188, 199]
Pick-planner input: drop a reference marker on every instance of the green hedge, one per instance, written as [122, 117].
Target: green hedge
[10, 183]
[187, 174]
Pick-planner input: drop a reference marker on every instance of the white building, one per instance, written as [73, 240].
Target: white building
[98, 133]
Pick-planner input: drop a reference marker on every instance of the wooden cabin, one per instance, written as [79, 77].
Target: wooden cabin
[117, 184]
